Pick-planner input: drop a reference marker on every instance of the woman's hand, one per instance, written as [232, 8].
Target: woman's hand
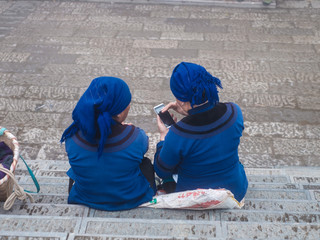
[162, 128]
[176, 107]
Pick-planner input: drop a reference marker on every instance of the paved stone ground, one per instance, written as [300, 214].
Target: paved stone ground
[268, 61]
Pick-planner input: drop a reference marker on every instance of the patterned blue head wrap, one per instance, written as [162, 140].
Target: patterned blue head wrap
[104, 98]
[192, 83]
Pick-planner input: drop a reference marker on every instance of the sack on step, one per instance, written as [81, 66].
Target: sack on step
[199, 199]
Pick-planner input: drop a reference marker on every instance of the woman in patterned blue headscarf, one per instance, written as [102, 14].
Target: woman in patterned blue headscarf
[202, 148]
[107, 156]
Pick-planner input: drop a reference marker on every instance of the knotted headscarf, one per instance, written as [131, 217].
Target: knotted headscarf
[192, 83]
[104, 98]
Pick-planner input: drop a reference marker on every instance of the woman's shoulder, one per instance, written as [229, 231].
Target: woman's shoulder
[209, 123]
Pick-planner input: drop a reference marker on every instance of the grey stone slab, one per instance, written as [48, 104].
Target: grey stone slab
[152, 228]
[50, 198]
[267, 38]
[308, 102]
[21, 67]
[170, 14]
[270, 56]
[29, 119]
[162, 27]
[272, 230]
[306, 180]
[272, 186]
[204, 45]
[256, 114]
[12, 91]
[111, 43]
[59, 93]
[25, 179]
[37, 135]
[296, 88]
[93, 70]
[37, 48]
[295, 48]
[13, 57]
[296, 147]
[7, 47]
[317, 195]
[18, 104]
[245, 46]
[92, 31]
[53, 58]
[23, 79]
[268, 216]
[206, 28]
[311, 187]
[306, 39]
[225, 37]
[47, 188]
[280, 130]
[33, 235]
[117, 237]
[238, 65]
[270, 160]
[39, 224]
[174, 53]
[164, 214]
[182, 36]
[150, 35]
[82, 51]
[63, 40]
[303, 206]
[29, 151]
[267, 179]
[161, 44]
[225, 54]
[268, 100]
[65, 210]
[277, 194]
[147, 96]
[255, 145]
[306, 57]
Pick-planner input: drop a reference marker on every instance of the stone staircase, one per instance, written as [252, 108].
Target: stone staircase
[282, 203]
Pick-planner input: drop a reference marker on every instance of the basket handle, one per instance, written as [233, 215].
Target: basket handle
[35, 181]
[18, 191]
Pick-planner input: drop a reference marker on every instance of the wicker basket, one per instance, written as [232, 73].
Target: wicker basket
[6, 183]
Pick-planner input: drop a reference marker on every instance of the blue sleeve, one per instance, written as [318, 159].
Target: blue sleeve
[167, 156]
[144, 142]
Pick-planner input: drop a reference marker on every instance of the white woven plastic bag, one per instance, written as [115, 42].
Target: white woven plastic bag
[199, 199]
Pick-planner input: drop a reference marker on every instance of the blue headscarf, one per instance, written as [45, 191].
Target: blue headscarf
[192, 83]
[104, 98]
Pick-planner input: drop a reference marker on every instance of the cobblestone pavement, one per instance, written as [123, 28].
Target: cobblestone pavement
[267, 59]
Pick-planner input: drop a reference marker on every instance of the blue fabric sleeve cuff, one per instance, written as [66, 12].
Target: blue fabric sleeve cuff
[160, 144]
[71, 174]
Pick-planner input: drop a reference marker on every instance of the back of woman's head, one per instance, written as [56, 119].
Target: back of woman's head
[192, 83]
[104, 98]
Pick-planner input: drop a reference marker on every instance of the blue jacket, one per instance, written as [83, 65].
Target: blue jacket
[114, 181]
[202, 149]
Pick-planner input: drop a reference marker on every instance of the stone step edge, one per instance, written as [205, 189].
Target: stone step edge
[88, 210]
[20, 234]
[298, 171]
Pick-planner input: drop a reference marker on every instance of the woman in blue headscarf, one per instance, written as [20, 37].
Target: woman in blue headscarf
[107, 156]
[202, 148]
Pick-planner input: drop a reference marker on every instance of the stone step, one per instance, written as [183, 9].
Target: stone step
[33, 235]
[55, 210]
[307, 212]
[250, 203]
[138, 228]
[257, 193]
